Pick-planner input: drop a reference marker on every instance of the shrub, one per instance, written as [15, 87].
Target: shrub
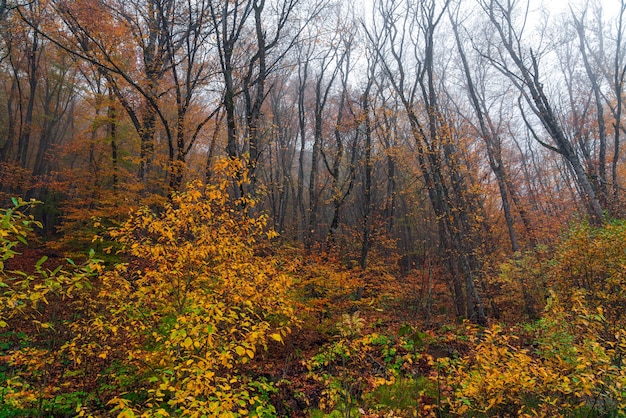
[33, 308]
[557, 366]
[193, 306]
[594, 260]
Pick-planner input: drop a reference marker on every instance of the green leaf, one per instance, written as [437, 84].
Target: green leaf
[41, 261]
[404, 330]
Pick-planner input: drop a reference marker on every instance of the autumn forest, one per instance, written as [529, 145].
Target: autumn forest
[312, 208]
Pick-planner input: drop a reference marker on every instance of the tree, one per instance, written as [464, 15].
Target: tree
[172, 71]
[600, 42]
[524, 71]
[491, 134]
[253, 38]
[270, 49]
[40, 94]
[228, 20]
[617, 87]
[407, 35]
[280, 155]
[305, 52]
[600, 177]
[366, 109]
[328, 63]
[342, 183]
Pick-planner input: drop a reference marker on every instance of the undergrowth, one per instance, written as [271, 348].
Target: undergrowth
[206, 316]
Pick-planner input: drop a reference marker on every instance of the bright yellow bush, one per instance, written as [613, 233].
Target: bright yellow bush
[194, 304]
[594, 260]
[558, 366]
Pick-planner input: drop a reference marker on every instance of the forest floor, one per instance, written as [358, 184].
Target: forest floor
[380, 343]
[393, 309]
[389, 306]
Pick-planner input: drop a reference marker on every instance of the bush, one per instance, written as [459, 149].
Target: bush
[192, 307]
[594, 260]
[570, 361]
[33, 313]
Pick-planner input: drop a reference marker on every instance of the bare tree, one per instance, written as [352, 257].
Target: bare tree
[229, 20]
[329, 61]
[408, 35]
[341, 183]
[305, 51]
[602, 47]
[281, 152]
[253, 39]
[617, 85]
[523, 68]
[366, 109]
[490, 133]
[594, 78]
[271, 46]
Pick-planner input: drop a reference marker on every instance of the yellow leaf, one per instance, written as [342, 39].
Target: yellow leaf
[240, 350]
[187, 343]
[277, 337]
[126, 413]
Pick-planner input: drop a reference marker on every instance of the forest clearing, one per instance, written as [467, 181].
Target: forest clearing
[312, 208]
